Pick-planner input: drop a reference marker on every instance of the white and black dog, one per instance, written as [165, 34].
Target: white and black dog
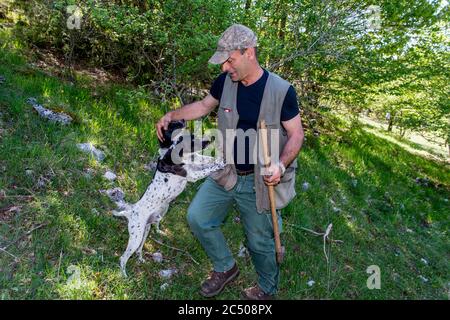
[169, 181]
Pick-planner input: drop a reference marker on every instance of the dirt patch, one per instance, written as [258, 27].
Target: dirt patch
[55, 65]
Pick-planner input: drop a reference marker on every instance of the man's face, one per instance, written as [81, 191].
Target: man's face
[236, 65]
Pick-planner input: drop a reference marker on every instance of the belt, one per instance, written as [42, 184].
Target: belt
[244, 173]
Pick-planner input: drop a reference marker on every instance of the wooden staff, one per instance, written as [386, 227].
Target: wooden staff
[279, 249]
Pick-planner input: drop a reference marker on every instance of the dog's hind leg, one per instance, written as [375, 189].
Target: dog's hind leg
[133, 244]
[147, 230]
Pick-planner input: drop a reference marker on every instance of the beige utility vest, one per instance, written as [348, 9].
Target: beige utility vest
[271, 104]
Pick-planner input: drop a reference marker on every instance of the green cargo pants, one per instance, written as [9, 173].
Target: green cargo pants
[207, 213]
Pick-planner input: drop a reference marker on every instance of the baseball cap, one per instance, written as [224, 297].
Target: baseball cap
[235, 37]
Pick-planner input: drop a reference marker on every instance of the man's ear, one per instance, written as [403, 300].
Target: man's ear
[251, 53]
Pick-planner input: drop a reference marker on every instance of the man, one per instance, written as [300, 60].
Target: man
[245, 93]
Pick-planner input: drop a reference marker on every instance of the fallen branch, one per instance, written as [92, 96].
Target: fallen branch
[186, 253]
[4, 250]
[314, 233]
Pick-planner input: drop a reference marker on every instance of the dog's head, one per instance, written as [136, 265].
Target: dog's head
[182, 157]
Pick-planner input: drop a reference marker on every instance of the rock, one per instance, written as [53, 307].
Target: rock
[41, 182]
[243, 252]
[29, 172]
[425, 280]
[311, 283]
[424, 261]
[109, 175]
[49, 114]
[237, 219]
[89, 148]
[116, 194]
[305, 186]
[157, 257]
[168, 273]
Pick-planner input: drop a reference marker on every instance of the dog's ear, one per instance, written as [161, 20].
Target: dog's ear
[179, 170]
[166, 165]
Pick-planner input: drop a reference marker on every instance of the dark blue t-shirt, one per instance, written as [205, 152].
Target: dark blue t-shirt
[248, 105]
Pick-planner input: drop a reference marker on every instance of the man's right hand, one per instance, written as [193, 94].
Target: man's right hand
[163, 123]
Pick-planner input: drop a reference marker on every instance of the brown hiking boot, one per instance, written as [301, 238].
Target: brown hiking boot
[217, 281]
[256, 293]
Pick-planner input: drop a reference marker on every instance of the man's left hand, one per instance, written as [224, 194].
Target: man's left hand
[275, 177]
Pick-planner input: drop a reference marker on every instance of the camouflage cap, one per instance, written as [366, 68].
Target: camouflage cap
[235, 37]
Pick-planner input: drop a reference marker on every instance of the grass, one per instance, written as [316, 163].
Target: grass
[362, 184]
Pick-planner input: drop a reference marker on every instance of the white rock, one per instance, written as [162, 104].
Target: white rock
[89, 148]
[423, 278]
[157, 257]
[41, 182]
[49, 114]
[168, 273]
[28, 172]
[109, 175]
[115, 194]
[424, 261]
[243, 252]
[311, 283]
[305, 186]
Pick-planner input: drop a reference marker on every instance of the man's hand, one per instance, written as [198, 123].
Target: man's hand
[273, 176]
[163, 123]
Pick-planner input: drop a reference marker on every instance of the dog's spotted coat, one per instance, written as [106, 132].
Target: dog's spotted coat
[169, 181]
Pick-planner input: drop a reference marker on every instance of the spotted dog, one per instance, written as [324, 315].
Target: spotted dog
[169, 181]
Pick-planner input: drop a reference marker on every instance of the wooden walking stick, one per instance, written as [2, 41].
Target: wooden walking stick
[279, 249]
